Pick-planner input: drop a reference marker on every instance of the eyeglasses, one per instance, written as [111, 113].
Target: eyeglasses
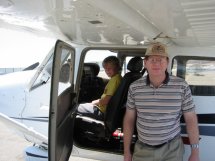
[153, 60]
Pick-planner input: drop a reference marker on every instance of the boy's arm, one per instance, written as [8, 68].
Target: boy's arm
[103, 101]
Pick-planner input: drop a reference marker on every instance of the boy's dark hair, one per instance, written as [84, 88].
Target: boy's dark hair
[113, 60]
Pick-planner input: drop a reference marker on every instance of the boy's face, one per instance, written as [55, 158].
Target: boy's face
[110, 69]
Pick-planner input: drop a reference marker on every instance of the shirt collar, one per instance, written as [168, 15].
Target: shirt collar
[166, 80]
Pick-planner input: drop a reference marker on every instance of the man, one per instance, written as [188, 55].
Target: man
[156, 102]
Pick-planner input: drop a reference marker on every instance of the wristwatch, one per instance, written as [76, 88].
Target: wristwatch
[194, 146]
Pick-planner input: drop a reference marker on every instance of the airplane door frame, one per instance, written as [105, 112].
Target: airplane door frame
[61, 113]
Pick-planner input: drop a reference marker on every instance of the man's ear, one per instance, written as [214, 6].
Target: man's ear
[144, 61]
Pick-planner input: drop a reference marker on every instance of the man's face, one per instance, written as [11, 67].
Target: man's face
[156, 65]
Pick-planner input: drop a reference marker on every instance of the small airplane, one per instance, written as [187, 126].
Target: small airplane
[41, 103]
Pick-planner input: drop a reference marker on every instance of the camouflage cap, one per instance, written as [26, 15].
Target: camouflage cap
[157, 49]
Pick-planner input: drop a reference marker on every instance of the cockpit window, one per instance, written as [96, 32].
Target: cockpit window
[46, 73]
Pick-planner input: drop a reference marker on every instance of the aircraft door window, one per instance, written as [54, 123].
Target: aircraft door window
[94, 78]
[97, 56]
[124, 68]
[198, 72]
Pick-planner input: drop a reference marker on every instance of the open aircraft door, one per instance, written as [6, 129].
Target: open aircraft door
[62, 106]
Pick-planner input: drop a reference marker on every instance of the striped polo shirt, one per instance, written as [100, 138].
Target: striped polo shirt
[159, 109]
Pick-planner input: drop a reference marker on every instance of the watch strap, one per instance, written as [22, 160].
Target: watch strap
[194, 146]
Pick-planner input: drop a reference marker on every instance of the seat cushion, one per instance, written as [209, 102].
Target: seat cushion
[90, 126]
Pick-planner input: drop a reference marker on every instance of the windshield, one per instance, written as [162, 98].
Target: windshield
[46, 73]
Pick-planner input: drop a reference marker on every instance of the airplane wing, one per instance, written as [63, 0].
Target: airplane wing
[34, 136]
[31, 67]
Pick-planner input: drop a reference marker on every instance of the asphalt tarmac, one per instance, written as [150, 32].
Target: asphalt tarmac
[12, 145]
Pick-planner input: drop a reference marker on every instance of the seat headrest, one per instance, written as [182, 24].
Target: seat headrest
[93, 67]
[135, 64]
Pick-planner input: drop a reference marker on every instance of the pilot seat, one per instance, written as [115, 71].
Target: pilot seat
[94, 129]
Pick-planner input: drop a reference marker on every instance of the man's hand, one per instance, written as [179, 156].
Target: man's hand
[194, 157]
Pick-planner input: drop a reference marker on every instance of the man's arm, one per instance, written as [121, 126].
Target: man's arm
[128, 129]
[193, 133]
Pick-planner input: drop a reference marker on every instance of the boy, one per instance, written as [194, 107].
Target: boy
[97, 108]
